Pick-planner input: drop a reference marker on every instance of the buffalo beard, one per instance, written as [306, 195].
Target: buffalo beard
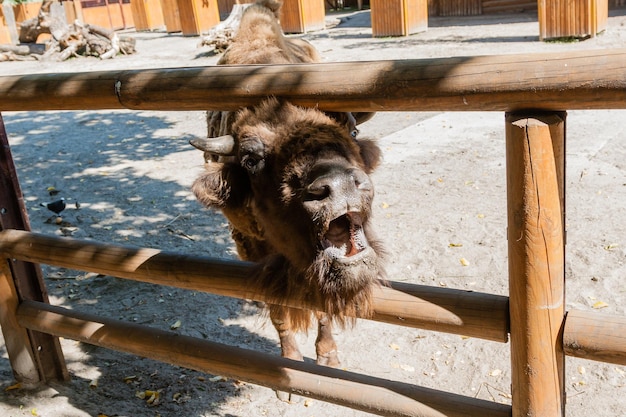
[345, 287]
[341, 289]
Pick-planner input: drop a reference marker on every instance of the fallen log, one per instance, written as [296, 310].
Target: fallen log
[27, 52]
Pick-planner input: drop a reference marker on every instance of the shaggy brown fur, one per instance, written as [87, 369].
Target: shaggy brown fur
[289, 142]
[260, 40]
[295, 188]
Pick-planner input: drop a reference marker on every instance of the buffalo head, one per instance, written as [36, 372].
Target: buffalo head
[295, 186]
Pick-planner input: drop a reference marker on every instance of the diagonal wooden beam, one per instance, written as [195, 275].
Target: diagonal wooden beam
[34, 356]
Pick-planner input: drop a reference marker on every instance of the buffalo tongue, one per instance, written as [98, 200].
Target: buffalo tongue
[341, 234]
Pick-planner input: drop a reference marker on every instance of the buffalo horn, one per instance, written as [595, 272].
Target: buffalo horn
[222, 145]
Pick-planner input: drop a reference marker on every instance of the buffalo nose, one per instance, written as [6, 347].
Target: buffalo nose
[338, 184]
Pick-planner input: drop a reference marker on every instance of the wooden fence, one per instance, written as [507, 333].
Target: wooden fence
[533, 90]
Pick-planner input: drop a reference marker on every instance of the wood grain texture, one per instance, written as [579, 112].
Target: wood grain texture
[361, 392]
[534, 159]
[16, 338]
[599, 337]
[555, 81]
[34, 356]
[571, 18]
[454, 311]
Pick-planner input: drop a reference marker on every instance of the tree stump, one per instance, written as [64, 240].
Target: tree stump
[66, 41]
[222, 35]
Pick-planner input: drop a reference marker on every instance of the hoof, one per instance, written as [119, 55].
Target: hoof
[285, 396]
[330, 359]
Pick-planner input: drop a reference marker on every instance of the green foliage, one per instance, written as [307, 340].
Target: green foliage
[16, 2]
[565, 39]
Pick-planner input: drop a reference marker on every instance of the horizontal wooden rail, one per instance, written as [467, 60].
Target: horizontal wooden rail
[454, 311]
[371, 394]
[586, 335]
[599, 337]
[555, 81]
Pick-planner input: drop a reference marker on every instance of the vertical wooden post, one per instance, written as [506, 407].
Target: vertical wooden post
[5, 32]
[171, 15]
[535, 160]
[73, 11]
[572, 18]
[16, 338]
[398, 17]
[301, 16]
[147, 14]
[34, 356]
[197, 16]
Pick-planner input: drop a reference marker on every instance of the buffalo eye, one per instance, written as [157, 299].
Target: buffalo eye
[252, 163]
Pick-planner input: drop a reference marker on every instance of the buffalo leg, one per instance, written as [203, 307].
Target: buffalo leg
[288, 346]
[325, 345]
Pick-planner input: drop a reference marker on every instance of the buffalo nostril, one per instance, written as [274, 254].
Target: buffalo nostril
[363, 186]
[361, 180]
[336, 182]
[318, 190]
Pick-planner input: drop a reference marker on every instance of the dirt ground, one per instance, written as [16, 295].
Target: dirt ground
[440, 198]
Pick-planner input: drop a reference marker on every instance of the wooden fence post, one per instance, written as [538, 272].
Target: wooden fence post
[398, 17]
[573, 18]
[535, 160]
[301, 16]
[171, 15]
[147, 14]
[197, 16]
[34, 356]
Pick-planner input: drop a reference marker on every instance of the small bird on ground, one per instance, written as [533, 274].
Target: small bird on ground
[56, 206]
[52, 190]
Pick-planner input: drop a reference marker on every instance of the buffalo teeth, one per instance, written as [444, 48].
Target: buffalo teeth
[358, 238]
[345, 237]
[335, 252]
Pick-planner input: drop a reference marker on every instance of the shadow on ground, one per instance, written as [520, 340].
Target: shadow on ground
[126, 178]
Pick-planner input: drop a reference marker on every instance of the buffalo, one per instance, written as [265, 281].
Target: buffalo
[294, 184]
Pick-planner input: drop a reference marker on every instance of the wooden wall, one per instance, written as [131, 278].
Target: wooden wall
[476, 7]
[5, 33]
[508, 6]
[299, 16]
[225, 6]
[558, 19]
[147, 14]
[111, 14]
[399, 17]
[454, 7]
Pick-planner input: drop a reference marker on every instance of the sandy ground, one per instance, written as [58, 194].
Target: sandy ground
[440, 198]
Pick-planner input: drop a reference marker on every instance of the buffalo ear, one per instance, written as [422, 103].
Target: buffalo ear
[370, 153]
[223, 185]
[362, 117]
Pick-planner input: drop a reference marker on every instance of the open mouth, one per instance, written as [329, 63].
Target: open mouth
[345, 237]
